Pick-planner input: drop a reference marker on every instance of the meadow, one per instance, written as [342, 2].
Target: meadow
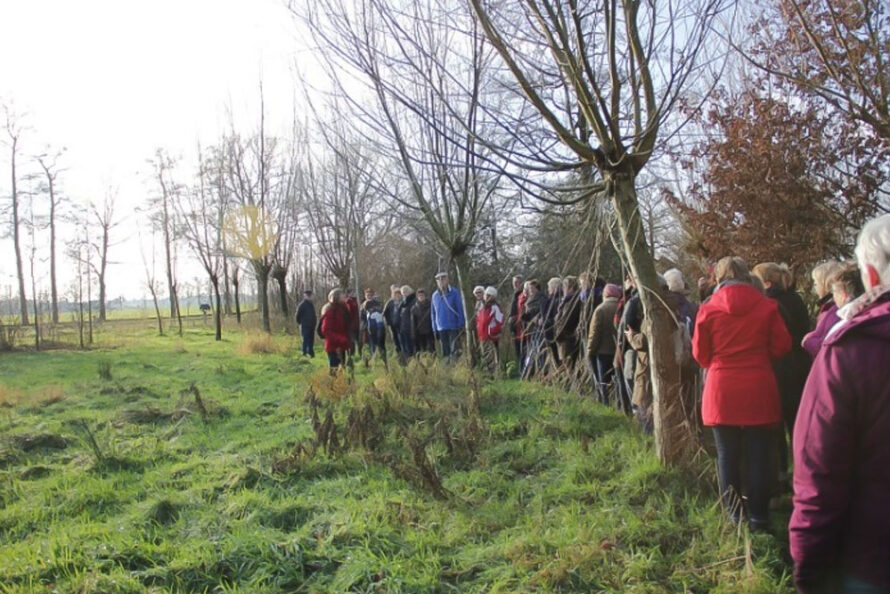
[180, 464]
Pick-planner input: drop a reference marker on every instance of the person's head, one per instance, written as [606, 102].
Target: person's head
[421, 295]
[532, 287]
[369, 293]
[517, 282]
[335, 296]
[350, 292]
[490, 294]
[407, 291]
[307, 294]
[612, 291]
[731, 268]
[570, 285]
[873, 252]
[396, 292]
[822, 275]
[442, 280]
[846, 284]
[553, 285]
[479, 292]
[772, 275]
[628, 282]
[675, 281]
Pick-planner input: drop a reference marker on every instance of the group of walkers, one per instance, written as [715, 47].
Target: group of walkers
[770, 373]
[415, 322]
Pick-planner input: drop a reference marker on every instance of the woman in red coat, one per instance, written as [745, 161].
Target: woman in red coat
[738, 334]
[334, 328]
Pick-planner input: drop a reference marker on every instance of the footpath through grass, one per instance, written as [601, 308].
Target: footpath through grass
[184, 465]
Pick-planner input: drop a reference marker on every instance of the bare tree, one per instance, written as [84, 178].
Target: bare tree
[103, 216]
[14, 130]
[163, 219]
[202, 212]
[49, 166]
[151, 281]
[425, 65]
[604, 76]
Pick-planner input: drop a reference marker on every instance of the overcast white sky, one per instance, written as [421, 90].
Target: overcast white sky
[112, 80]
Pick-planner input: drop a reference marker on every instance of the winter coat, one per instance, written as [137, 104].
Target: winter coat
[642, 394]
[353, 321]
[685, 310]
[306, 316]
[841, 518]
[515, 307]
[565, 326]
[551, 307]
[792, 369]
[826, 318]
[532, 312]
[489, 322]
[335, 327]
[421, 318]
[601, 333]
[738, 334]
[447, 310]
[406, 321]
[520, 324]
[391, 314]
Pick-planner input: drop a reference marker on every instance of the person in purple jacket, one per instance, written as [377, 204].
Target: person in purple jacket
[822, 276]
[840, 528]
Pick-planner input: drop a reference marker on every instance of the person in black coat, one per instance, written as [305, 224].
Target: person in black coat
[406, 321]
[307, 319]
[423, 325]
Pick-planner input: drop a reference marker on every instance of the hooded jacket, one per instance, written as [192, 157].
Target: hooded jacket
[335, 327]
[841, 518]
[489, 322]
[738, 335]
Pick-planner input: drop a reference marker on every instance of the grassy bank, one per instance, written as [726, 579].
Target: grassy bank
[180, 464]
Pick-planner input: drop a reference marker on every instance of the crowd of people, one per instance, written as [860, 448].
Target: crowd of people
[755, 367]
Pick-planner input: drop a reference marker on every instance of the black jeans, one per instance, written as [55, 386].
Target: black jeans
[755, 446]
[308, 341]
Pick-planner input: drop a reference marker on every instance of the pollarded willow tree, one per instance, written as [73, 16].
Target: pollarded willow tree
[604, 77]
[424, 66]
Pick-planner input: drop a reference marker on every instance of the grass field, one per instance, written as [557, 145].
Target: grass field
[184, 465]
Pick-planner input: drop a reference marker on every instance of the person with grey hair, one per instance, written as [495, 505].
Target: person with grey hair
[840, 527]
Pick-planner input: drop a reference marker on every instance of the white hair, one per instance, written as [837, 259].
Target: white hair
[674, 280]
[873, 248]
[407, 290]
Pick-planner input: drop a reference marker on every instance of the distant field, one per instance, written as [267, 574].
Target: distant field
[186, 465]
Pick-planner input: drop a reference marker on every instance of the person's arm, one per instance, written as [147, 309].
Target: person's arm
[300, 310]
[779, 338]
[434, 318]
[824, 452]
[702, 350]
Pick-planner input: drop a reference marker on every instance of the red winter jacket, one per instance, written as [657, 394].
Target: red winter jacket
[489, 322]
[335, 327]
[738, 334]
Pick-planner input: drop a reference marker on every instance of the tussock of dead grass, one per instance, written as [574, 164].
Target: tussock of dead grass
[259, 344]
[43, 396]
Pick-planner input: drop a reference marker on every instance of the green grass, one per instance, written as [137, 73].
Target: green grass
[128, 485]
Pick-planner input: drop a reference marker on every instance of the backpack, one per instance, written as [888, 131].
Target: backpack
[376, 324]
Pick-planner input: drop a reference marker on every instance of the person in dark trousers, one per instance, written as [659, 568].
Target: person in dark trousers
[792, 369]
[565, 330]
[391, 315]
[373, 324]
[334, 329]
[839, 533]
[307, 319]
[406, 322]
[448, 317]
[514, 321]
[423, 325]
[738, 334]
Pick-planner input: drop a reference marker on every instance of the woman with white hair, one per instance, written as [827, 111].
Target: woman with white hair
[489, 325]
[840, 528]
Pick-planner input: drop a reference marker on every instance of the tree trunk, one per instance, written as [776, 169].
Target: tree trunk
[280, 275]
[235, 283]
[53, 288]
[171, 286]
[674, 441]
[16, 239]
[227, 297]
[461, 269]
[262, 280]
[218, 313]
[154, 298]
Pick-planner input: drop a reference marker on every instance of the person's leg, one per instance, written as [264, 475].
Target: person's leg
[728, 441]
[334, 361]
[445, 339]
[758, 444]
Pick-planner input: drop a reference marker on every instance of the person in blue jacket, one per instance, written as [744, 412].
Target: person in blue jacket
[307, 318]
[447, 314]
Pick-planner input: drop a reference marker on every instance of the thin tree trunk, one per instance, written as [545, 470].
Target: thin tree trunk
[53, 287]
[16, 239]
[175, 300]
[262, 279]
[227, 296]
[218, 313]
[281, 278]
[154, 298]
[235, 283]
[461, 268]
[673, 440]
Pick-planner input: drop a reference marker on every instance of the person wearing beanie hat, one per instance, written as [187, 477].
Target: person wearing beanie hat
[489, 324]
